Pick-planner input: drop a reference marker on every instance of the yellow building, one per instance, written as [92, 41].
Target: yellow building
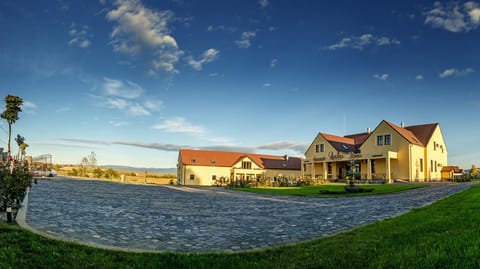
[206, 168]
[389, 152]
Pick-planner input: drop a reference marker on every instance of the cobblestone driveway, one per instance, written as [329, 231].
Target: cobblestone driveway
[182, 219]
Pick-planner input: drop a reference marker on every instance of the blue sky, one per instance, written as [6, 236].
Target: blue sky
[134, 80]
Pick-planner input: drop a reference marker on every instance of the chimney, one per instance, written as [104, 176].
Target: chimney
[402, 124]
[368, 130]
[285, 157]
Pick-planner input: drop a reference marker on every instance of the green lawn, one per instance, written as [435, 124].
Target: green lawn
[443, 235]
[315, 190]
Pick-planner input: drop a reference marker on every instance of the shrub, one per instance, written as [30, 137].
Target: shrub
[111, 174]
[97, 172]
[13, 187]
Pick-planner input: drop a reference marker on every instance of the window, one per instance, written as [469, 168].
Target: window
[319, 148]
[246, 165]
[214, 177]
[435, 166]
[345, 147]
[379, 140]
[421, 165]
[431, 165]
[192, 177]
[388, 140]
[329, 168]
[373, 166]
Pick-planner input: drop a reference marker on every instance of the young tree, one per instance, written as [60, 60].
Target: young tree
[20, 141]
[12, 108]
[473, 172]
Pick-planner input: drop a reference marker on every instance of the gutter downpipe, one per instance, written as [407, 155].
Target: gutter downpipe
[410, 166]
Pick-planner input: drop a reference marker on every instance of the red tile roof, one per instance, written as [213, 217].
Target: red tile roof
[455, 169]
[407, 134]
[228, 159]
[423, 132]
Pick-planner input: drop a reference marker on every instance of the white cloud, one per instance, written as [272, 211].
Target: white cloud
[453, 16]
[263, 3]
[419, 77]
[118, 123]
[180, 125]
[127, 96]
[79, 36]
[245, 39]
[273, 63]
[29, 107]
[215, 75]
[208, 56]
[138, 110]
[455, 72]
[141, 29]
[118, 88]
[265, 85]
[363, 41]
[381, 76]
[153, 105]
[117, 103]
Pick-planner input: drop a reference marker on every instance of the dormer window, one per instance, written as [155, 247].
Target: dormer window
[212, 161]
[193, 160]
[345, 147]
[246, 165]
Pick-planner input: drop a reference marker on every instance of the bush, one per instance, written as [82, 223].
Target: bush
[97, 172]
[111, 174]
[73, 173]
[13, 187]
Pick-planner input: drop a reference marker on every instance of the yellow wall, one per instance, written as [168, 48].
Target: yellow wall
[203, 174]
[436, 155]
[404, 161]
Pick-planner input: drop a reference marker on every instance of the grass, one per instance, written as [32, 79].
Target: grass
[443, 235]
[314, 191]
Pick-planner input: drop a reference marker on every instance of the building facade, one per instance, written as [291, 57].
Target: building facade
[206, 168]
[389, 152]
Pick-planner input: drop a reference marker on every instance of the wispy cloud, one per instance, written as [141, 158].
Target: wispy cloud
[63, 109]
[453, 16]
[363, 41]
[118, 88]
[79, 36]
[127, 96]
[140, 29]
[221, 28]
[381, 76]
[29, 107]
[266, 85]
[297, 148]
[419, 77]
[180, 125]
[245, 39]
[455, 72]
[208, 56]
[118, 123]
[215, 74]
[273, 63]
[263, 3]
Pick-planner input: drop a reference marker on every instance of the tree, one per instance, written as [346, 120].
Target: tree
[21, 145]
[473, 172]
[12, 108]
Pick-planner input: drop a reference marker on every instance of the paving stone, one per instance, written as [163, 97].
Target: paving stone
[186, 219]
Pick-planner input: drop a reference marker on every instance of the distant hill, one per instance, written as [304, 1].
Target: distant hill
[141, 169]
